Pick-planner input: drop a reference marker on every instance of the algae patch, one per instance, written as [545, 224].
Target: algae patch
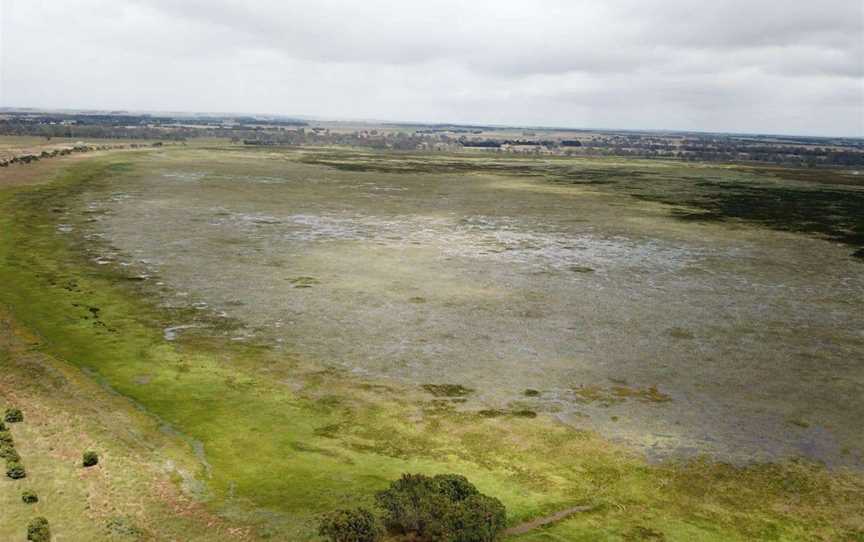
[447, 390]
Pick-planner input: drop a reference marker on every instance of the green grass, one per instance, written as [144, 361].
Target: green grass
[67, 412]
[279, 441]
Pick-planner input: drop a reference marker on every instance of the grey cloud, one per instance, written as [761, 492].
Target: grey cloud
[749, 23]
[528, 37]
[627, 63]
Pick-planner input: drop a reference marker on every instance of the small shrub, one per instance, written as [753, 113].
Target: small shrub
[8, 452]
[13, 415]
[443, 508]
[90, 459]
[29, 497]
[358, 525]
[38, 530]
[3, 426]
[15, 470]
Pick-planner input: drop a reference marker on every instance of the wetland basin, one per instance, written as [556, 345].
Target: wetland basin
[577, 300]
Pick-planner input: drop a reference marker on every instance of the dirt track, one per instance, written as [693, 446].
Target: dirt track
[546, 520]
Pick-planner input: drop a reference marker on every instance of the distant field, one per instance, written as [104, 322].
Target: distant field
[281, 332]
[15, 145]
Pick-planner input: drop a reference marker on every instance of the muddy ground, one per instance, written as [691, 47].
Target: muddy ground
[654, 302]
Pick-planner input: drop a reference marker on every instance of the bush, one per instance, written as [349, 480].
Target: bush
[479, 519]
[29, 497]
[455, 486]
[38, 531]
[442, 508]
[15, 470]
[90, 459]
[14, 415]
[413, 505]
[8, 452]
[358, 525]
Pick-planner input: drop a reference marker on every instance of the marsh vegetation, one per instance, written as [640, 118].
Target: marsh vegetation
[637, 290]
[308, 325]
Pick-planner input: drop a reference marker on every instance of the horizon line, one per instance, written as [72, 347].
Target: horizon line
[458, 124]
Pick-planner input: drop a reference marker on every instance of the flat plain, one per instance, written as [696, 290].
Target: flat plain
[283, 331]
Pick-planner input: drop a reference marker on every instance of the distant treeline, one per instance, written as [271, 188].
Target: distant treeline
[782, 150]
[123, 126]
[93, 131]
[494, 143]
[29, 158]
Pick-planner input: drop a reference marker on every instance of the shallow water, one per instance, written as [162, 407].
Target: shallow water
[677, 338]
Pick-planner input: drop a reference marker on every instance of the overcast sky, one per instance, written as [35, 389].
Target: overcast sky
[769, 66]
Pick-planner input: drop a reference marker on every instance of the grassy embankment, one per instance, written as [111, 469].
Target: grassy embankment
[278, 443]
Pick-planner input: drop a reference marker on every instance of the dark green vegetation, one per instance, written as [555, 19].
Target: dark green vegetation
[445, 508]
[278, 439]
[29, 497]
[89, 459]
[832, 213]
[352, 525]
[14, 468]
[13, 415]
[447, 390]
[38, 530]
